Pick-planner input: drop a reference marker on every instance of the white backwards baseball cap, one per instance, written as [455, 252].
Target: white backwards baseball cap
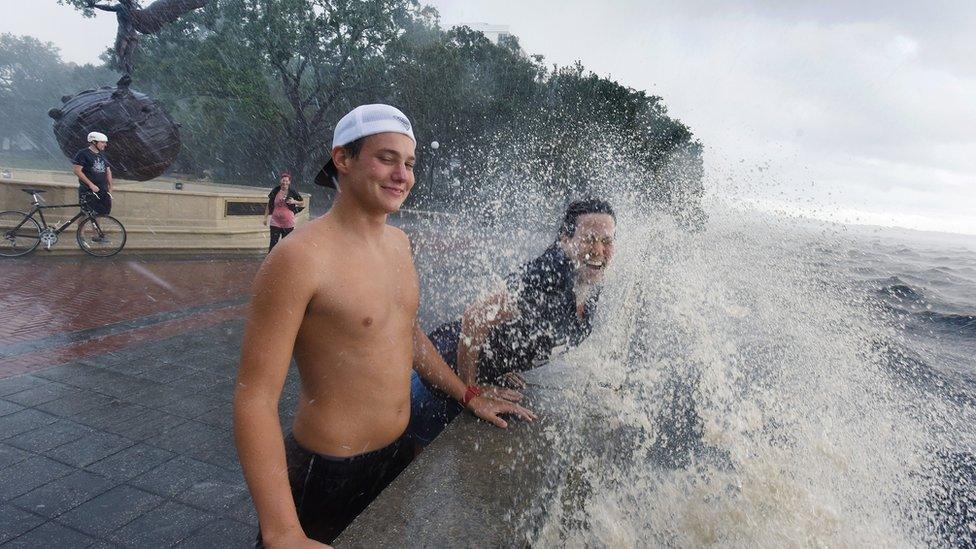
[363, 121]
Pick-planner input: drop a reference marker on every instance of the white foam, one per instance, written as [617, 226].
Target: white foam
[807, 439]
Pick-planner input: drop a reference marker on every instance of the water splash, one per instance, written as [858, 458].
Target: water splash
[736, 392]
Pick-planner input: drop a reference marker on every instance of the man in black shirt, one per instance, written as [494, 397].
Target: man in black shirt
[547, 304]
[94, 175]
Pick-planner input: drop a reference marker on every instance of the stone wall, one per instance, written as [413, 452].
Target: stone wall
[157, 215]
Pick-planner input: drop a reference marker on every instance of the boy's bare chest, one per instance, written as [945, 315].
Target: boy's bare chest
[368, 293]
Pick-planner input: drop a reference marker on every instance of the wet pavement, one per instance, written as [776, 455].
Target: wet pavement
[55, 310]
[115, 402]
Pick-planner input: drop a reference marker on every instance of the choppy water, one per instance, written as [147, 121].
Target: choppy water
[762, 384]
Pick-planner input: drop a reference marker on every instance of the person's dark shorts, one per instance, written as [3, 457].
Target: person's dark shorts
[330, 492]
[100, 203]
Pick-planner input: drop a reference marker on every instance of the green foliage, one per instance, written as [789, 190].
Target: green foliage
[29, 71]
[221, 94]
[81, 5]
[32, 80]
[258, 85]
[460, 89]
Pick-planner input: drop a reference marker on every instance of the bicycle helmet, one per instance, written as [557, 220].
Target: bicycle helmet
[97, 136]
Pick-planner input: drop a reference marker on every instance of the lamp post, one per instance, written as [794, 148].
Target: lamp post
[434, 145]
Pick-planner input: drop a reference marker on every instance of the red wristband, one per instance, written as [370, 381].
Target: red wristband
[471, 392]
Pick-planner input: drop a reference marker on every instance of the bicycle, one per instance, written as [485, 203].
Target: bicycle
[99, 235]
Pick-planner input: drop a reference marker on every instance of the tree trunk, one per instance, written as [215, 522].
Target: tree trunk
[301, 161]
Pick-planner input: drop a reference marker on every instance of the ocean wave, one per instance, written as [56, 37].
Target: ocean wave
[911, 302]
[901, 291]
[965, 323]
[918, 373]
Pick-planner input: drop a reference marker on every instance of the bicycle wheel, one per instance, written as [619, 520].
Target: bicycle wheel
[19, 234]
[101, 235]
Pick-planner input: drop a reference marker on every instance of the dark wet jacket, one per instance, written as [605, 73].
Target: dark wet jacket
[546, 301]
[292, 193]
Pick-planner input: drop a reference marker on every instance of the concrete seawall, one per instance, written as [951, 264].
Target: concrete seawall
[475, 486]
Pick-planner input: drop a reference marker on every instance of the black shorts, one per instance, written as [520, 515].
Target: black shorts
[100, 203]
[330, 492]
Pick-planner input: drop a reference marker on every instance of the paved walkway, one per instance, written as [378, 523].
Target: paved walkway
[115, 402]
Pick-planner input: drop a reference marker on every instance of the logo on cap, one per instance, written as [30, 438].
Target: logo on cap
[403, 121]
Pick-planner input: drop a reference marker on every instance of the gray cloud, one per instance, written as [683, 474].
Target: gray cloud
[861, 106]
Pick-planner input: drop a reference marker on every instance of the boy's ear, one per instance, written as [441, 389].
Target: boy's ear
[341, 159]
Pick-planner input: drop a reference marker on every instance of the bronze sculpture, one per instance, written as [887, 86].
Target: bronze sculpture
[134, 20]
[144, 139]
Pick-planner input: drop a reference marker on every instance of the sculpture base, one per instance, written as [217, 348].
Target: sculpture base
[157, 216]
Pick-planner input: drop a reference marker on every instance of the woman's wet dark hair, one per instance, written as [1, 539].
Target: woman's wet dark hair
[585, 206]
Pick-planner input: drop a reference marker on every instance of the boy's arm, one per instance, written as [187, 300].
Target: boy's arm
[431, 366]
[280, 294]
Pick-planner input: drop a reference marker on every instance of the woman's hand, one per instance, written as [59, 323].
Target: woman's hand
[493, 391]
[491, 410]
[513, 380]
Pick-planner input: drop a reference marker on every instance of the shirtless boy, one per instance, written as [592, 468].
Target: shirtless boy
[341, 296]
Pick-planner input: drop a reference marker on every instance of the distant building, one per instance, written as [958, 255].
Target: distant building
[492, 32]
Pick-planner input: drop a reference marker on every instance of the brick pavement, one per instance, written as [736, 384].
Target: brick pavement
[131, 448]
[119, 434]
[55, 310]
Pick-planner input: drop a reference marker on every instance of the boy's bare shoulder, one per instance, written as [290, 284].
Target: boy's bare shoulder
[307, 249]
[307, 233]
[398, 235]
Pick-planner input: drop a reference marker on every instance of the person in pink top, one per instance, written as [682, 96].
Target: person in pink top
[283, 203]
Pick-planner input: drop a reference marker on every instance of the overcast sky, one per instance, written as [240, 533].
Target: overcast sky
[858, 111]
